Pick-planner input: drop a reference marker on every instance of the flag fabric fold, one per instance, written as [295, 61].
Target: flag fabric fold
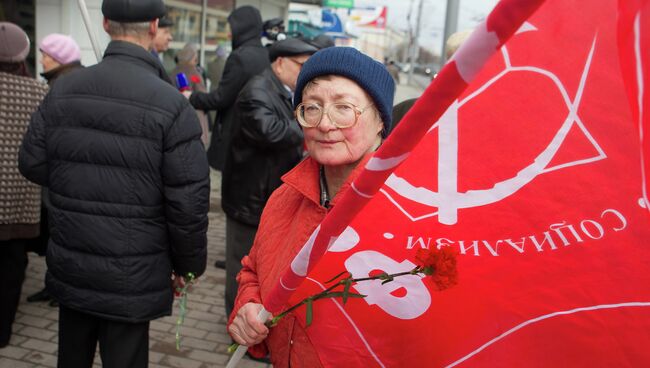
[634, 43]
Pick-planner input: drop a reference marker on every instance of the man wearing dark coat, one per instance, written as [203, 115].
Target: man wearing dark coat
[119, 149]
[247, 59]
[266, 143]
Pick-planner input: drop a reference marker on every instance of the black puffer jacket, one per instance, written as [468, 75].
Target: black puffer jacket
[266, 143]
[120, 151]
[247, 59]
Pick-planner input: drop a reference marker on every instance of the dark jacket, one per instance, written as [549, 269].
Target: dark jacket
[247, 59]
[39, 245]
[266, 143]
[54, 74]
[119, 149]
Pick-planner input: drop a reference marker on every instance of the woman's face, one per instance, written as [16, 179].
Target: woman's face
[332, 146]
[48, 62]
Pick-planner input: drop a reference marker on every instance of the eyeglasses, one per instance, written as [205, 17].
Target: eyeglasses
[341, 114]
[300, 64]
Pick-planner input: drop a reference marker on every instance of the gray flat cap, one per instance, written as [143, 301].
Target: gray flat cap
[131, 11]
[290, 47]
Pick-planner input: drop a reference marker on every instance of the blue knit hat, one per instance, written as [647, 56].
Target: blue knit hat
[348, 62]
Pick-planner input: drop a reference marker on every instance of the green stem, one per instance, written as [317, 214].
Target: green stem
[324, 293]
[320, 295]
[327, 293]
[182, 306]
[379, 277]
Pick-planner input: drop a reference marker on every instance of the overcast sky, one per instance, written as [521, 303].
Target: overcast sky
[433, 16]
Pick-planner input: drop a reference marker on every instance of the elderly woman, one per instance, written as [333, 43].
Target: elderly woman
[343, 101]
[186, 63]
[20, 200]
[60, 54]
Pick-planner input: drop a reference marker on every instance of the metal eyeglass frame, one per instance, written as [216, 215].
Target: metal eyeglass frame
[325, 110]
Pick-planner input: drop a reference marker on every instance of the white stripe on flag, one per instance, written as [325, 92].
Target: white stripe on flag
[547, 316]
[639, 81]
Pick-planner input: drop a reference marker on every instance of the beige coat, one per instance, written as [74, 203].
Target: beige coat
[20, 200]
[196, 84]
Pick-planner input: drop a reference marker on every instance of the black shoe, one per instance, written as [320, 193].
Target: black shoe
[220, 263]
[40, 296]
[53, 303]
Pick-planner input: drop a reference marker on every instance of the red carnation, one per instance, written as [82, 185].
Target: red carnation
[195, 79]
[440, 264]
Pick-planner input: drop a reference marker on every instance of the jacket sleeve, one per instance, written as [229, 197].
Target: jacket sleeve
[32, 157]
[249, 292]
[231, 83]
[261, 125]
[186, 180]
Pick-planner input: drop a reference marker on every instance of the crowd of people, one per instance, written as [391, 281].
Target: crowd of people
[108, 172]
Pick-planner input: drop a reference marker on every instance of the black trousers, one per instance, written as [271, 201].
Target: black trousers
[13, 262]
[121, 344]
[239, 241]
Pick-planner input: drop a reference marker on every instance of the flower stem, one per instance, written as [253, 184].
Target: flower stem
[327, 292]
[388, 276]
[182, 306]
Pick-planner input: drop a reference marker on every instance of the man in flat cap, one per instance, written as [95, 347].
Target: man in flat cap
[266, 143]
[163, 36]
[120, 150]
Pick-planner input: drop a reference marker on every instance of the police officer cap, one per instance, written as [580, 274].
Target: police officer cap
[130, 11]
[290, 47]
[274, 22]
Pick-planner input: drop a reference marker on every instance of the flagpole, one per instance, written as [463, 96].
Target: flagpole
[91, 33]
[451, 26]
[241, 349]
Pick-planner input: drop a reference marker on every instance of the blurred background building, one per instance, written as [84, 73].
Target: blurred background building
[203, 22]
[408, 32]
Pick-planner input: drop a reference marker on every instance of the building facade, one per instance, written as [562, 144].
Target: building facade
[203, 22]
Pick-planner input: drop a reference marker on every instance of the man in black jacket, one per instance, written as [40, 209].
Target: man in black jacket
[119, 149]
[247, 59]
[266, 143]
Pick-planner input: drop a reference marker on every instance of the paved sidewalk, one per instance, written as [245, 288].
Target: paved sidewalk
[405, 91]
[205, 340]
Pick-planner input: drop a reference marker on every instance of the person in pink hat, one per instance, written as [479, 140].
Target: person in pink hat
[60, 54]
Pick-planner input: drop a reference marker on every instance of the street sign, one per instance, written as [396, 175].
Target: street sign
[338, 4]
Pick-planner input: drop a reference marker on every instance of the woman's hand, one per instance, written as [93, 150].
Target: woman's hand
[245, 328]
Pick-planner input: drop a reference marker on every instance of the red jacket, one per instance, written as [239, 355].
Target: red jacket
[290, 216]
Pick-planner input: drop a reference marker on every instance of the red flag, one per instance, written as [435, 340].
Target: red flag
[634, 43]
[534, 174]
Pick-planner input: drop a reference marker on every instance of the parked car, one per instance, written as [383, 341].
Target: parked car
[424, 69]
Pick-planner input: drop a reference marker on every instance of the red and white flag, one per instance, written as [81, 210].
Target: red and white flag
[536, 174]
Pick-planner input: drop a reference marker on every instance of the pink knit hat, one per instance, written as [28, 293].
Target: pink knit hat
[61, 48]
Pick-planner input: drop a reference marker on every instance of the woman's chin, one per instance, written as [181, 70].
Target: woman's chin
[333, 159]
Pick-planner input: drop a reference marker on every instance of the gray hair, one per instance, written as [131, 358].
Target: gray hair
[136, 29]
[455, 41]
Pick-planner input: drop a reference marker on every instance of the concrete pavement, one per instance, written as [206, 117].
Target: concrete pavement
[205, 340]
[405, 91]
